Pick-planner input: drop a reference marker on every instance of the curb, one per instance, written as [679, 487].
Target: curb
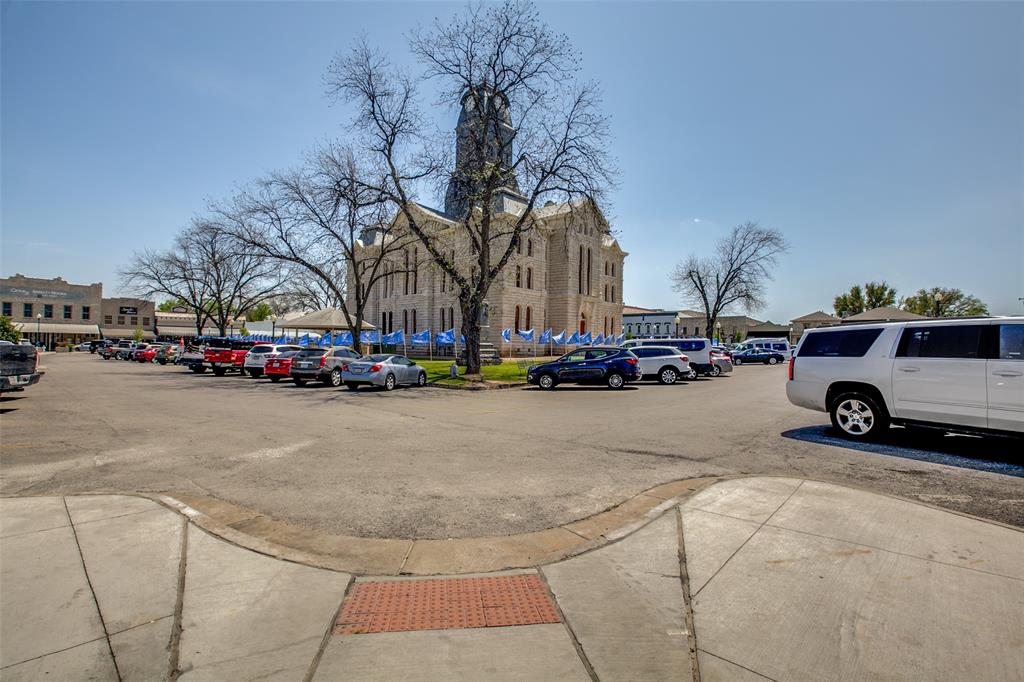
[383, 556]
[479, 386]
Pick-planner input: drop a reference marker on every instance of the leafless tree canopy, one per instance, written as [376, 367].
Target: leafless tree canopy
[535, 130]
[312, 220]
[735, 277]
[217, 280]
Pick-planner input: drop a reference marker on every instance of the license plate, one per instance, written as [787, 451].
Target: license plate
[358, 370]
[304, 364]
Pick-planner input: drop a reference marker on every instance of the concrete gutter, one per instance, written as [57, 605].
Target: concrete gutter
[392, 556]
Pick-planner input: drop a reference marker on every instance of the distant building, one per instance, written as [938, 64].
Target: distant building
[813, 320]
[884, 314]
[657, 323]
[56, 312]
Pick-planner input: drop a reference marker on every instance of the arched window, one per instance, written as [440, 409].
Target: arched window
[529, 247]
[606, 292]
[406, 272]
[517, 320]
[613, 293]
[606, 268]
[589, 263]
[581, 270]
[519, 276]
[648, 328]
[415, 272]
[384, 322]
[606, 325]
[529, 278]
[529, 318]
[413, 320]
[613, 269]
[391, 322]
[451, 316]
[583, 323]
[519, 247]
[405, 320]
[442, 318]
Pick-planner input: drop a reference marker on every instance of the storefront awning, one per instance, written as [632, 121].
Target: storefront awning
[125, 333]
[58, 328]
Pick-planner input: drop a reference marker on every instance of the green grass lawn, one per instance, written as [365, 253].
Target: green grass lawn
[437, 371]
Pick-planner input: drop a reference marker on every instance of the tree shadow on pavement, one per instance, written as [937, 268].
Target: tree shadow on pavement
[992, 454]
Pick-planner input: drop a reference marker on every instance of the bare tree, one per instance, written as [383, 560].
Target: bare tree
[735, 276]
[304, 291]
[314, 220]
[529, 132]
[179, 273]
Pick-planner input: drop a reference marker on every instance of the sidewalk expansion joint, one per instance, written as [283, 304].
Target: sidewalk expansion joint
[315, 663]
[92, 591]
[684, 581]
[722, 658]
[179, 604]
[580, 653]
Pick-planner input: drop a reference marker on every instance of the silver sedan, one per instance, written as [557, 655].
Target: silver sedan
[385, 370]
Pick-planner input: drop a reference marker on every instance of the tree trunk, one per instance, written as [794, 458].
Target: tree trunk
[470, 306]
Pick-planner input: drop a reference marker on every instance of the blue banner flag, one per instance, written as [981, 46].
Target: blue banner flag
[525, 334]
[304, 341]
[559, 339]
[372, 336]
[620, 338]
[446, 338]
[586, 339]
[420, 338]
[599, 339]
[343, 338]
[395, 338]
[326, 340]
[506, 335]
[545, 336]
[574, 339]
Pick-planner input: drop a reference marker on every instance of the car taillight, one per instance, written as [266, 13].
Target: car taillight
[344, 367]
[631, 361]
[684, 358]
[323, 360]
[376, 368]
[792, 363]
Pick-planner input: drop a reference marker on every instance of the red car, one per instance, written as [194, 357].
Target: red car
[139, 350]
[147, 354]
[279, 365]
[226, 354]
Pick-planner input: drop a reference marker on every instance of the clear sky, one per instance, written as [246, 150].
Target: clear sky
[886, 140]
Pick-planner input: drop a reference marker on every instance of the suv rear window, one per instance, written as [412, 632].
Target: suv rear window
[954, 341]
[851, 343]
[259, 350]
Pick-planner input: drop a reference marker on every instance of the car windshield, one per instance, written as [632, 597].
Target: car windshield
[380, 357]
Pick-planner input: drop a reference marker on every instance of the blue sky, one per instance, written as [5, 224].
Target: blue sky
[886, 140]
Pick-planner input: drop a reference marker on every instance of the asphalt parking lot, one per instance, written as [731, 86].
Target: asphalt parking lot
[437, 463]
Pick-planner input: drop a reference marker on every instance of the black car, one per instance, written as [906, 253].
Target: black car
[763, 355]
[610, 366]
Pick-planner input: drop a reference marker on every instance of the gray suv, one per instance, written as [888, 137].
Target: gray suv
[321, 364]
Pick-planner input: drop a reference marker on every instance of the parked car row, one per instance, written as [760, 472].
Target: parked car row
[663, 360]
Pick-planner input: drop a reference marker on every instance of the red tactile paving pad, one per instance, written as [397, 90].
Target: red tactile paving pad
[405, 605]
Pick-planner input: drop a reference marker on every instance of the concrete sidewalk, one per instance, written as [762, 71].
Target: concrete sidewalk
[787, 579]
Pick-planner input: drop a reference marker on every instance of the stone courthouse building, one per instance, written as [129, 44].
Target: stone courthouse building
[566, 273]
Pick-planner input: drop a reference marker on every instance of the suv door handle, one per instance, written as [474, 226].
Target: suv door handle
[910, 369]
[1007, 373]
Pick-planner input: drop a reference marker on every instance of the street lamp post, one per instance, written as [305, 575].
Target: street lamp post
[39, 319]
[718, 329]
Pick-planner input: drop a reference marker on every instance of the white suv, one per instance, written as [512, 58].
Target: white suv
[256, 358]
[957, 375]
[665, 363]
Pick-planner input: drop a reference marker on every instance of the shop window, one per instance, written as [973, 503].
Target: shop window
[85, 312]
[27, 310]
[135, 321]
[120, 320]
[67, 312]
[145, 322]
[8, 312]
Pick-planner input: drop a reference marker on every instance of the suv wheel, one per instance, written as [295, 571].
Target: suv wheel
[389, 382]
[737, 361]
[858, 417]
[773, 360]
[615, 380]
[336, 377]
[691, 374]
[668, 375]
[716, 370]
[546, 381]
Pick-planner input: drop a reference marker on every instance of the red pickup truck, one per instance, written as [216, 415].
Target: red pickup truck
[226, 355]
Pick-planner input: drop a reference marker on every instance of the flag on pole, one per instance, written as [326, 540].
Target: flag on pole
[326, 340]
[620, 338]
[371, 336]
[574, 339]
[525, 334]
[446, 338]
[559, 339]
[394, 338]
[599, 339]
[586, 339]
[420, 338]
[343, 338]
[506, 335]
[545, 336]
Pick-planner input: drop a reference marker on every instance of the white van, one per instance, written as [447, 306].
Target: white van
[956, 375]
[697, 350]
[776, 344]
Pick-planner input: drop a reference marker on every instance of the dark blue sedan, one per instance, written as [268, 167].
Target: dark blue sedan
[610, 366]
[763, 355]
